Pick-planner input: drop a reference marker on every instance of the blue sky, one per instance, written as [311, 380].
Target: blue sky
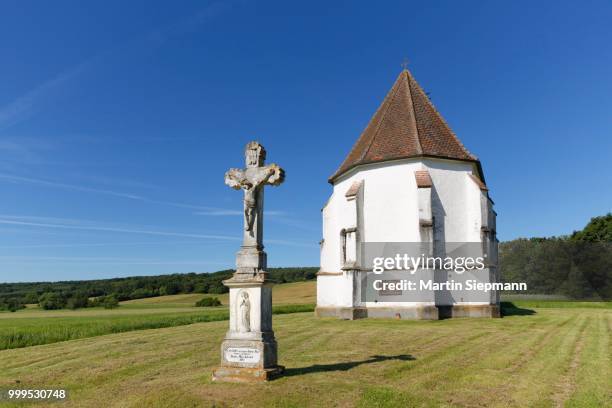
[118, 121]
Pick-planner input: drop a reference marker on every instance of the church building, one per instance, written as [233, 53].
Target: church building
[407, 179]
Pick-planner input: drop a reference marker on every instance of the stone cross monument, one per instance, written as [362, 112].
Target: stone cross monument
[249, 350]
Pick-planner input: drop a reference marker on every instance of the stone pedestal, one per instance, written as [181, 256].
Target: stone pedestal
[249, 350]
[249, 260]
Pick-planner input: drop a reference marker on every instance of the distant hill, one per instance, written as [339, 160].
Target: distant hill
[76, 294]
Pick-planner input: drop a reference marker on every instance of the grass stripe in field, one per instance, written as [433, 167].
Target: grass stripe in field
[593, 372]
[25, 332]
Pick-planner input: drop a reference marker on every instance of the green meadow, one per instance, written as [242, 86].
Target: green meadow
[557, 353]
[33, 326]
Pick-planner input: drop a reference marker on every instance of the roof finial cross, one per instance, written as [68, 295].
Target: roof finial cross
[405, 63]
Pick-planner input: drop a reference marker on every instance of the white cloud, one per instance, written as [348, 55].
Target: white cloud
[219, 212]
[9, 260]
[98, 244]
[23, 106]
[68, 224]
[88, 225]
[55, 184]
[19, 179]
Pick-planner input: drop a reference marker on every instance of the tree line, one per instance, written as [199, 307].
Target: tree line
[108, 292]
[578, 266]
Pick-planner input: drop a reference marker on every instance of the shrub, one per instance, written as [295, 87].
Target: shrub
[30, 298]
[51, 301]
[201, 288]
[208, 302]
[12, 305]
[77, 301]
[142, 293]
[172, 288]
[110, 302]
[217, 288]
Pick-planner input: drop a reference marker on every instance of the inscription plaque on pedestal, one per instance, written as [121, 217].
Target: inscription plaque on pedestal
[242, 355]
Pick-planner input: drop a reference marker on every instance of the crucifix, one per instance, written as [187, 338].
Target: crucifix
[251, 180]
[249, 350]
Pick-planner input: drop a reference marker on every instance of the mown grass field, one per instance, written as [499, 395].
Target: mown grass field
[33, 326]
[545, 356]
[555, 357]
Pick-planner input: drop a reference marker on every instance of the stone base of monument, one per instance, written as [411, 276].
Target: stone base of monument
[236, 374]
[245, 375]
[249, 350]
[244, 360]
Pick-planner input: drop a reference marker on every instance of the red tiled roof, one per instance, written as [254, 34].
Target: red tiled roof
[423, 179]
[405, 125]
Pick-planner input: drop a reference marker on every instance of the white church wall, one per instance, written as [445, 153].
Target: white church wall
[390, 213]
[390, 207]
[424, 205]
[330, 245]
[453, 200]
[478, 214]
[478, 222]
[335, 290]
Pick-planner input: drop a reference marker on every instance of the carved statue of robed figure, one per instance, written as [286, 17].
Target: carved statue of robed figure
[245, 313]
[249, 351]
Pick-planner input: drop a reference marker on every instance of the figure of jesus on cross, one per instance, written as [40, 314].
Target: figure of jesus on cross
[251, 180]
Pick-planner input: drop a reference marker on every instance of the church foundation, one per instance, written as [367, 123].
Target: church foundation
[426, 312]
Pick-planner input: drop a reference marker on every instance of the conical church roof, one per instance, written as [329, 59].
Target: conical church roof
[405, 125]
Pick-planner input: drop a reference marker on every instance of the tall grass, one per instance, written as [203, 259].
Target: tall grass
[562, 304]
[285, 309]
[26, 332]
